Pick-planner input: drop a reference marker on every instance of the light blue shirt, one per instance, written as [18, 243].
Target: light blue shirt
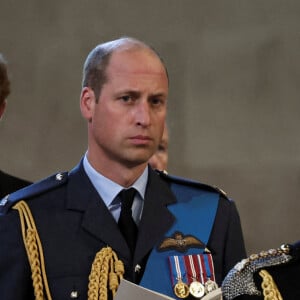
[109, 190]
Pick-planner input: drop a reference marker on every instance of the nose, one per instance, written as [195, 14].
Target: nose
[143, 114]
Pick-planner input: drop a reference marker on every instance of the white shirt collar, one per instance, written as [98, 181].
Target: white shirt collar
[108, 189]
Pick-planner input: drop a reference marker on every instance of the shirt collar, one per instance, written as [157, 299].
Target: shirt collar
[108, 189]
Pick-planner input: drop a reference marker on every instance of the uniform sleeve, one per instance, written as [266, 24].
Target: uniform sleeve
[226, 241]
[15, 275]
[234, 246]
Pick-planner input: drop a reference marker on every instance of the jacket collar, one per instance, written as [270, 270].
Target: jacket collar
[97, 220]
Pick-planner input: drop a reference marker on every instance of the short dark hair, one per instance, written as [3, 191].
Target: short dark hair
[94, 70]
[4, 80]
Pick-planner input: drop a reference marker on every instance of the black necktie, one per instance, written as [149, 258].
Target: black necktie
[126, 222]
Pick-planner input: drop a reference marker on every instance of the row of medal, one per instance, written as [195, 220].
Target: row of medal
[192, 275]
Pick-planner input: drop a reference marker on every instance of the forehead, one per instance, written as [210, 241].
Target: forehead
[141, 61]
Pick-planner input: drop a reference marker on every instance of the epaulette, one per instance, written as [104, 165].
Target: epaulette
[240, 279]
[189, 182]
[32, 190]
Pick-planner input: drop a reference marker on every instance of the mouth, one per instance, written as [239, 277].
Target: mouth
[141, 140]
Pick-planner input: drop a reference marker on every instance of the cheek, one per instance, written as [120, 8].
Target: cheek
[107, 126]
[102, 115]
[166, 158]
[100, 123]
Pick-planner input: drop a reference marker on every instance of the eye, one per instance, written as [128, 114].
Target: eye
[126, 98]
[157, 101]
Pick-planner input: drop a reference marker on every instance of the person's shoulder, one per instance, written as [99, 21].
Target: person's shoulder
[45, 185]
[11, 178]
[250, 275]
[10, 183]
[190, 183]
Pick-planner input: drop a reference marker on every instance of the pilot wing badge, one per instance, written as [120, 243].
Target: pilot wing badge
[180, 242]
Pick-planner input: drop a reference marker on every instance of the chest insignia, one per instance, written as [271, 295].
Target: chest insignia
[180, 242]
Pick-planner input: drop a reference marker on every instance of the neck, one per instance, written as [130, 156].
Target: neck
[122, 174]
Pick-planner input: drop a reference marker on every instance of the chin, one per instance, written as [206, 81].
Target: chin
[137, 161]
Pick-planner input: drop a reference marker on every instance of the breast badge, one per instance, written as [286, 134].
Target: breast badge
[180, 242]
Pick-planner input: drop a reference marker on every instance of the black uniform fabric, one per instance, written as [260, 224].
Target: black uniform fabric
[10, 184]
[74, 224]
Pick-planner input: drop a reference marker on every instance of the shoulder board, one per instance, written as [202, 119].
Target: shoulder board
[32, 190]
[190, 182]
[244, 271]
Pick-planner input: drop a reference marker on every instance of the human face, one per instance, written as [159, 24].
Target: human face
[159, 160]
[127, 121]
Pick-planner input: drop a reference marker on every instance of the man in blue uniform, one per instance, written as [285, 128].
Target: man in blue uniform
[183, 233]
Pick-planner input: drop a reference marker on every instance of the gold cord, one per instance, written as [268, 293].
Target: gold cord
[270, 289]
[106, 272]
[34, 252]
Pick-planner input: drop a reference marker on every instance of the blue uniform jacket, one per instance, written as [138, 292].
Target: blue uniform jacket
[74, 224]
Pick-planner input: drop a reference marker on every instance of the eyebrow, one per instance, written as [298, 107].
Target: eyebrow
[159, 95]
[138, 93]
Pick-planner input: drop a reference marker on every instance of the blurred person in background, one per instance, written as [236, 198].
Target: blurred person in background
[159, 160]
[8, 183]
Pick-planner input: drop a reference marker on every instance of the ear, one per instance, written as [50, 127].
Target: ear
[2, 108]
[87, 103]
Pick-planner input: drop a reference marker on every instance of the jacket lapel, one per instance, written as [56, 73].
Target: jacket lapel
[96, 220]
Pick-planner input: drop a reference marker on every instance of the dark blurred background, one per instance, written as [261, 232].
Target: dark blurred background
[234, 96]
